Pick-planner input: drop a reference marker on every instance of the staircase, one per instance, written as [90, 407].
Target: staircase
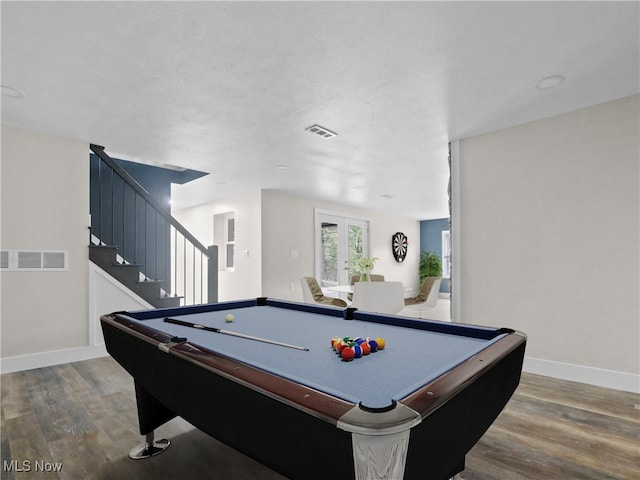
[131, 276]
[136, 240]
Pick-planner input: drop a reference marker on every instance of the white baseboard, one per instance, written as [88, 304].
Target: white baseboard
[628, 382]
[47, 359]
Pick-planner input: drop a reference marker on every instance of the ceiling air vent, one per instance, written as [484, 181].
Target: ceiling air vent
[323, 132]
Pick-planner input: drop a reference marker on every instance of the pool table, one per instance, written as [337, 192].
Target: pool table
[287, 399]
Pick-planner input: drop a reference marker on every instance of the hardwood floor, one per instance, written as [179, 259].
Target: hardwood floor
[553, 429]
[80, 419]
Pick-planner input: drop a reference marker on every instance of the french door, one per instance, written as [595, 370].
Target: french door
[340, 242]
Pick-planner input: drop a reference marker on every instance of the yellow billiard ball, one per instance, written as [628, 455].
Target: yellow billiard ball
[228, 318]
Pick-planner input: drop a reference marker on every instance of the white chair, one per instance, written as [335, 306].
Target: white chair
[378, 297]
[426, 299]
[312, 293]
[373, 277]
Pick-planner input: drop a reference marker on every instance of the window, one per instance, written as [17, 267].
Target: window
[446, 254]
[231, 242]
[224, 235]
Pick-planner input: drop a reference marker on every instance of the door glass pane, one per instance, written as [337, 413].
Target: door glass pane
[329, 254]
[356, 246]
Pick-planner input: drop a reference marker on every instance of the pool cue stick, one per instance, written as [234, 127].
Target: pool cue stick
[233, 334]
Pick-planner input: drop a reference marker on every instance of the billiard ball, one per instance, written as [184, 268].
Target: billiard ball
[228, 318]
[347, 354]
[381, 343]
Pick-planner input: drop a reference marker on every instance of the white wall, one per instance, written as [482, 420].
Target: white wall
[245, 280]
[549, 238]
[107, 295]
[288, 224]
[44, 206]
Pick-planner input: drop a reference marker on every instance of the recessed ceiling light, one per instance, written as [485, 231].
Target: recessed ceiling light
[358, 187]
[323, 132]
[222, 184]
[550, 82]
[282, 167]
[11, 92]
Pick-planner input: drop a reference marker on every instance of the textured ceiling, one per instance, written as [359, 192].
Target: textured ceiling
[229, 87]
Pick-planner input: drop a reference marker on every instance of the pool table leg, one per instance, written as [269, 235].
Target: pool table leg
[149, 448]
[378, 457]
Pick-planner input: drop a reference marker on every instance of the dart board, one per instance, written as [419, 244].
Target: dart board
[399, 245]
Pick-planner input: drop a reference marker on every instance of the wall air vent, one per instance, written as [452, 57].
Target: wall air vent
[29, 260]
[54, 260]
[4, 259]
[34, 260]
[323, 132]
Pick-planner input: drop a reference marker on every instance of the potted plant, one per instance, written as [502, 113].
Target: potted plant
[364, 266]
[430, 266]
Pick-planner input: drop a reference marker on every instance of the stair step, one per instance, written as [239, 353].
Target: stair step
[129, 275]
[101, 254]
[126, 273]
[148, 289]
[167, 301]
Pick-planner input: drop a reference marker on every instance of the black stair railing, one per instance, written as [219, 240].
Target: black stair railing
[124, 215]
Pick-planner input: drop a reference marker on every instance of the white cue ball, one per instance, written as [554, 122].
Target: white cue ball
[228, 318]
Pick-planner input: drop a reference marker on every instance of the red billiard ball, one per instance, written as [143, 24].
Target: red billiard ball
[347, 354]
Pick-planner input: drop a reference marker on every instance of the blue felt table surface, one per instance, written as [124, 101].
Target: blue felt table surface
[411, 358]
